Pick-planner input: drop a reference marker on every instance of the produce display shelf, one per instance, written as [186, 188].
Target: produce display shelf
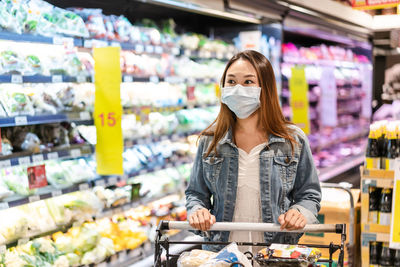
[340, 167]
[26, 158]
[322, 62]
[105, 181]
[206, 54]
[19, 79]
[46, 118]
[361, 134]
[10, 36]
[148, 109]
[173, 137]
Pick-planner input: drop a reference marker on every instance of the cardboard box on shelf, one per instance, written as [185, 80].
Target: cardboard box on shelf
[335, 209]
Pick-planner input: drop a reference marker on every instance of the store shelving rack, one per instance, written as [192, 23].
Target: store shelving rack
[372, 232]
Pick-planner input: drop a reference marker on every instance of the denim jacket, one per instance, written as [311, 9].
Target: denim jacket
[287, 181]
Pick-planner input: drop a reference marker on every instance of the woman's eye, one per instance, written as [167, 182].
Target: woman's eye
[248, 82]
[230, 82]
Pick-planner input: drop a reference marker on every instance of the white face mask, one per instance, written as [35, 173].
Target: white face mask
[242, 100]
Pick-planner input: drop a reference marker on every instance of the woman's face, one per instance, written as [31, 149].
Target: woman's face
[243, 73]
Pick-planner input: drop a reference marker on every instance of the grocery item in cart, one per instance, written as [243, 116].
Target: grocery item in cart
[195, 258]
[293, 255]
[230, 254]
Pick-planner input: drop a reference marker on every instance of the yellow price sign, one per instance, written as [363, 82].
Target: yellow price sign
[395, 225]
[298, 87]
[108, 110]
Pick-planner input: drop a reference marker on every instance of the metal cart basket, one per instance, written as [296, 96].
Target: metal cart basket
[162, 243]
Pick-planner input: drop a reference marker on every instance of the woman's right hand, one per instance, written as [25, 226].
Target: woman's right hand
[201, 219]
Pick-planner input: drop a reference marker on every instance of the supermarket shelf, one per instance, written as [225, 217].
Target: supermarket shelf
[206, 54]
[18, 79]
[321, 62]
[375, 228]
[43, 119]
[173, 137]
[49, 191]
[173, 79]
[340, 167]
[367, 237]
[344, 139]
[4, 35]
[25, 158]
[148, 109]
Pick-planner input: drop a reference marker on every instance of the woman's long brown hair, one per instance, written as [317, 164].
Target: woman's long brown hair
[271, 118]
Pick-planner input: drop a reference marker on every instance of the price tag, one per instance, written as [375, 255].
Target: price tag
[139, 48]
[115, 44]
[58, 40]
[99, 43]
[207, 80]
[81, 79]
[176, 51]
[187, 52]
[220, 55]
[207, 54]
[21, 120]
[34, 198]
[5, 163]
[85, 115]
[52, 156]
[154, 79]
[164, 137]
[83, 187]
[24, 161]
[112, 180]
[57, 79]
[122, 256]
[191, 81]
[150, 49]
[16, 79]
[37, 158]
[128, 79]
[158, 49]
[56, 193]
[4, 205]
[148, 140]
[100, 183]
[3, 249]
[75, 153]
[88, 44]
[23, 241]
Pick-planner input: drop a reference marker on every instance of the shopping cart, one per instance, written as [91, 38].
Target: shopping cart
[162, 242]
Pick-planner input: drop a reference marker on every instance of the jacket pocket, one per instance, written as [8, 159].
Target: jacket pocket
[286, 167]
[212, 167]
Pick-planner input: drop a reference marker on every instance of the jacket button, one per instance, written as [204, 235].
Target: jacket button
[287, 160]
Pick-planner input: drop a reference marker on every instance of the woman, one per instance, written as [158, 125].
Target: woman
[252, 165]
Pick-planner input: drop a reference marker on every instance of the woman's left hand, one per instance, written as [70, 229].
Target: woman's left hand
[292, 220]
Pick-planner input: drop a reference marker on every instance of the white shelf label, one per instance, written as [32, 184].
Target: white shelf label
[85, 115]
[99, 43]
[115, 44]
[139, 48]
[37, 158]
[23, 241]
[83, 187]
[187, 52]
[176, 51]
[154, 79]
[81, 79]
[3, 249]
[88, 43]
[207, 80]
[75, 153]
[140, 141]
[16, 79]
[24, 161]
[207, 54]
[100, 183]
[56, 193]
[191, 81]
[150, 49]
[34, 198]
[5, 163]
[128, 79]
[52, 155]
[112, 181]
[4, 205]
[148, 140]
[21, 120]
[164, 137]
[220, 55]
[57, 79]
[58, 40]
[158, 49]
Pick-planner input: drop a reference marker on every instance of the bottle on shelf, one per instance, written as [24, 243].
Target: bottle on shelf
[373, 160]
[396, 258]
[383, 141]
[392, 149]
[374, 199]
[386, 258]
[385, 207]
[374, 254]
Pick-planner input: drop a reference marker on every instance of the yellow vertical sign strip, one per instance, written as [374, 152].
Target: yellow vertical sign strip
[298, 87]
[108, 110]
[395, 225]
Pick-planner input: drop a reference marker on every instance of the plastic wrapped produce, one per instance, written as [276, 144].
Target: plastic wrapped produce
[15, 227]
[11, 63]
[230, 254]
[296, 254]
[16, 180]
[15, 101]
[94, 22]
[195, 258]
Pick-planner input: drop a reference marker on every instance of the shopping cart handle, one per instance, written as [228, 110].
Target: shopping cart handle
[255, 227]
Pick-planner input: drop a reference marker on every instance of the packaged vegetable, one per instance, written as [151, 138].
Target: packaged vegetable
[230, 254]
[195, 258]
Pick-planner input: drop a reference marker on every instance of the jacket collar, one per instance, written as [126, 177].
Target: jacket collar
[228, 138]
